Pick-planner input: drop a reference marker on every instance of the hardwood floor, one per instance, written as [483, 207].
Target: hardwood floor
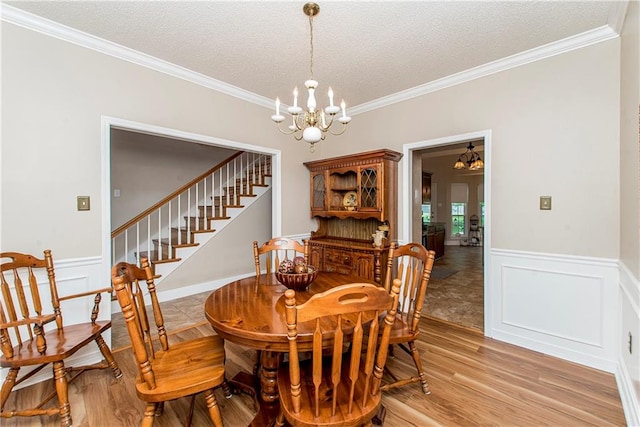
[456, 288]
[474, 381]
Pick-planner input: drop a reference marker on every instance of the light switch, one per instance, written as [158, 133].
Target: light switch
[84, 203]
[545, 203]
[116, 192]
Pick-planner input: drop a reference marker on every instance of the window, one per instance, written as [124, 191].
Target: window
[459, 200]
[426, 213]
[458, 219]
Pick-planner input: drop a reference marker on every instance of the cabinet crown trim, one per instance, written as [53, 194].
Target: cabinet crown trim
[368, 157]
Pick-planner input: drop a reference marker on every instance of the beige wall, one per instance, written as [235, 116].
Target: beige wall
[555, 129]
[554, 123]
[630, 193]
[53, 96]
[629, 141]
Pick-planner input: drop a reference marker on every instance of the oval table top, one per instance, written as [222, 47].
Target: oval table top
[251, 312]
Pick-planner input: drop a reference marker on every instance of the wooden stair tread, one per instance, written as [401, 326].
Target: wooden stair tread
[186, 245]
[209, 230]
[164, 261]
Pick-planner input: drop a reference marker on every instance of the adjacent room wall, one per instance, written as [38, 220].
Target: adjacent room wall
[147, 168]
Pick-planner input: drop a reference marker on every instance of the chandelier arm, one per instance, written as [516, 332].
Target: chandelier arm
[300, 122]
[287, 132]
[344, 127]
[328, 125]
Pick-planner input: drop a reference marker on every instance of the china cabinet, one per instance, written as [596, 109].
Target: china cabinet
[352, 197]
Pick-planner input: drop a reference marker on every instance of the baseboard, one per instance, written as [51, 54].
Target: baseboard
[628, 397]
[172, 294]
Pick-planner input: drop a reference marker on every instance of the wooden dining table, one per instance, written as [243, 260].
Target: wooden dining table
[250, 312]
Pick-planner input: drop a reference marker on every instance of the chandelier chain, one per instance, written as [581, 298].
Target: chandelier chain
[311, 43]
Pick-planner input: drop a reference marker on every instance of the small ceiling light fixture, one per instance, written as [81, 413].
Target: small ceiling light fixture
[311, 125]
[469, 159]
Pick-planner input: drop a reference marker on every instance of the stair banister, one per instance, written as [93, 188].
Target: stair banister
[176, 193]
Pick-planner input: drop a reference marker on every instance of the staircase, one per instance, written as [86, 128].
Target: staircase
[173, 229]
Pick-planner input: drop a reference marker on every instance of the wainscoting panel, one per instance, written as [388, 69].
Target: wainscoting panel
[628, 375]
[559, 305]
[74, 276]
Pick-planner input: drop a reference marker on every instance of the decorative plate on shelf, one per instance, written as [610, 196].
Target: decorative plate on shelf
[350, 200]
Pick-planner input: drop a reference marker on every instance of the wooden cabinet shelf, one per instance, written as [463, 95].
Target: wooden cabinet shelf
[351, 196]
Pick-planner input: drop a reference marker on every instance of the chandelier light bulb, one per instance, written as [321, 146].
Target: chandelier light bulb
[277, 117]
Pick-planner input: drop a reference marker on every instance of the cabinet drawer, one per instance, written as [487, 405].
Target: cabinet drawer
[338, 257]
[338, 268]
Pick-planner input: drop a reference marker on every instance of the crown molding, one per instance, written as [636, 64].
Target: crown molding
[617, 14]
[45, 26]
[54, 29]
[587, 38]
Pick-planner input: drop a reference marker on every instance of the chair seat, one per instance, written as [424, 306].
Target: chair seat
[401, 332]
[342, 418]
[187, 368]
[60, 345]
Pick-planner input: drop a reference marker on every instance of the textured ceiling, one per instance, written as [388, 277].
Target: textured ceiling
[364, 50]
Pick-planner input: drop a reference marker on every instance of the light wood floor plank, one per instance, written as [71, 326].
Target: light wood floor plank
[474, 381]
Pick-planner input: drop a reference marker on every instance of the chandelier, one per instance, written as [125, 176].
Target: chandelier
[313, 123]
[469, 159]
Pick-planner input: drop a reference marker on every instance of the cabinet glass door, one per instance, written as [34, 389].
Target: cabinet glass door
[369, 188]
[318, 199]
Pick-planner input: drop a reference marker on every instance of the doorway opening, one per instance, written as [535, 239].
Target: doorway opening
[114, 128]
[450, 212]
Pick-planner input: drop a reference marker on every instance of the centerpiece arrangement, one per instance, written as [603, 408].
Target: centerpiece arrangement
[296, 274]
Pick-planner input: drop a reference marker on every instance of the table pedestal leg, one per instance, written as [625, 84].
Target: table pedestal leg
[268, 376]
[263, 389]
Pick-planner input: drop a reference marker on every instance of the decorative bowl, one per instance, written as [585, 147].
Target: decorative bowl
[298, 281]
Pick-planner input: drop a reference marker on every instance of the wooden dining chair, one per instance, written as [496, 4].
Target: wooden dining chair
[33, 333]
[413, 264]
[276, 250]
[166, 372]
[344, 388]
